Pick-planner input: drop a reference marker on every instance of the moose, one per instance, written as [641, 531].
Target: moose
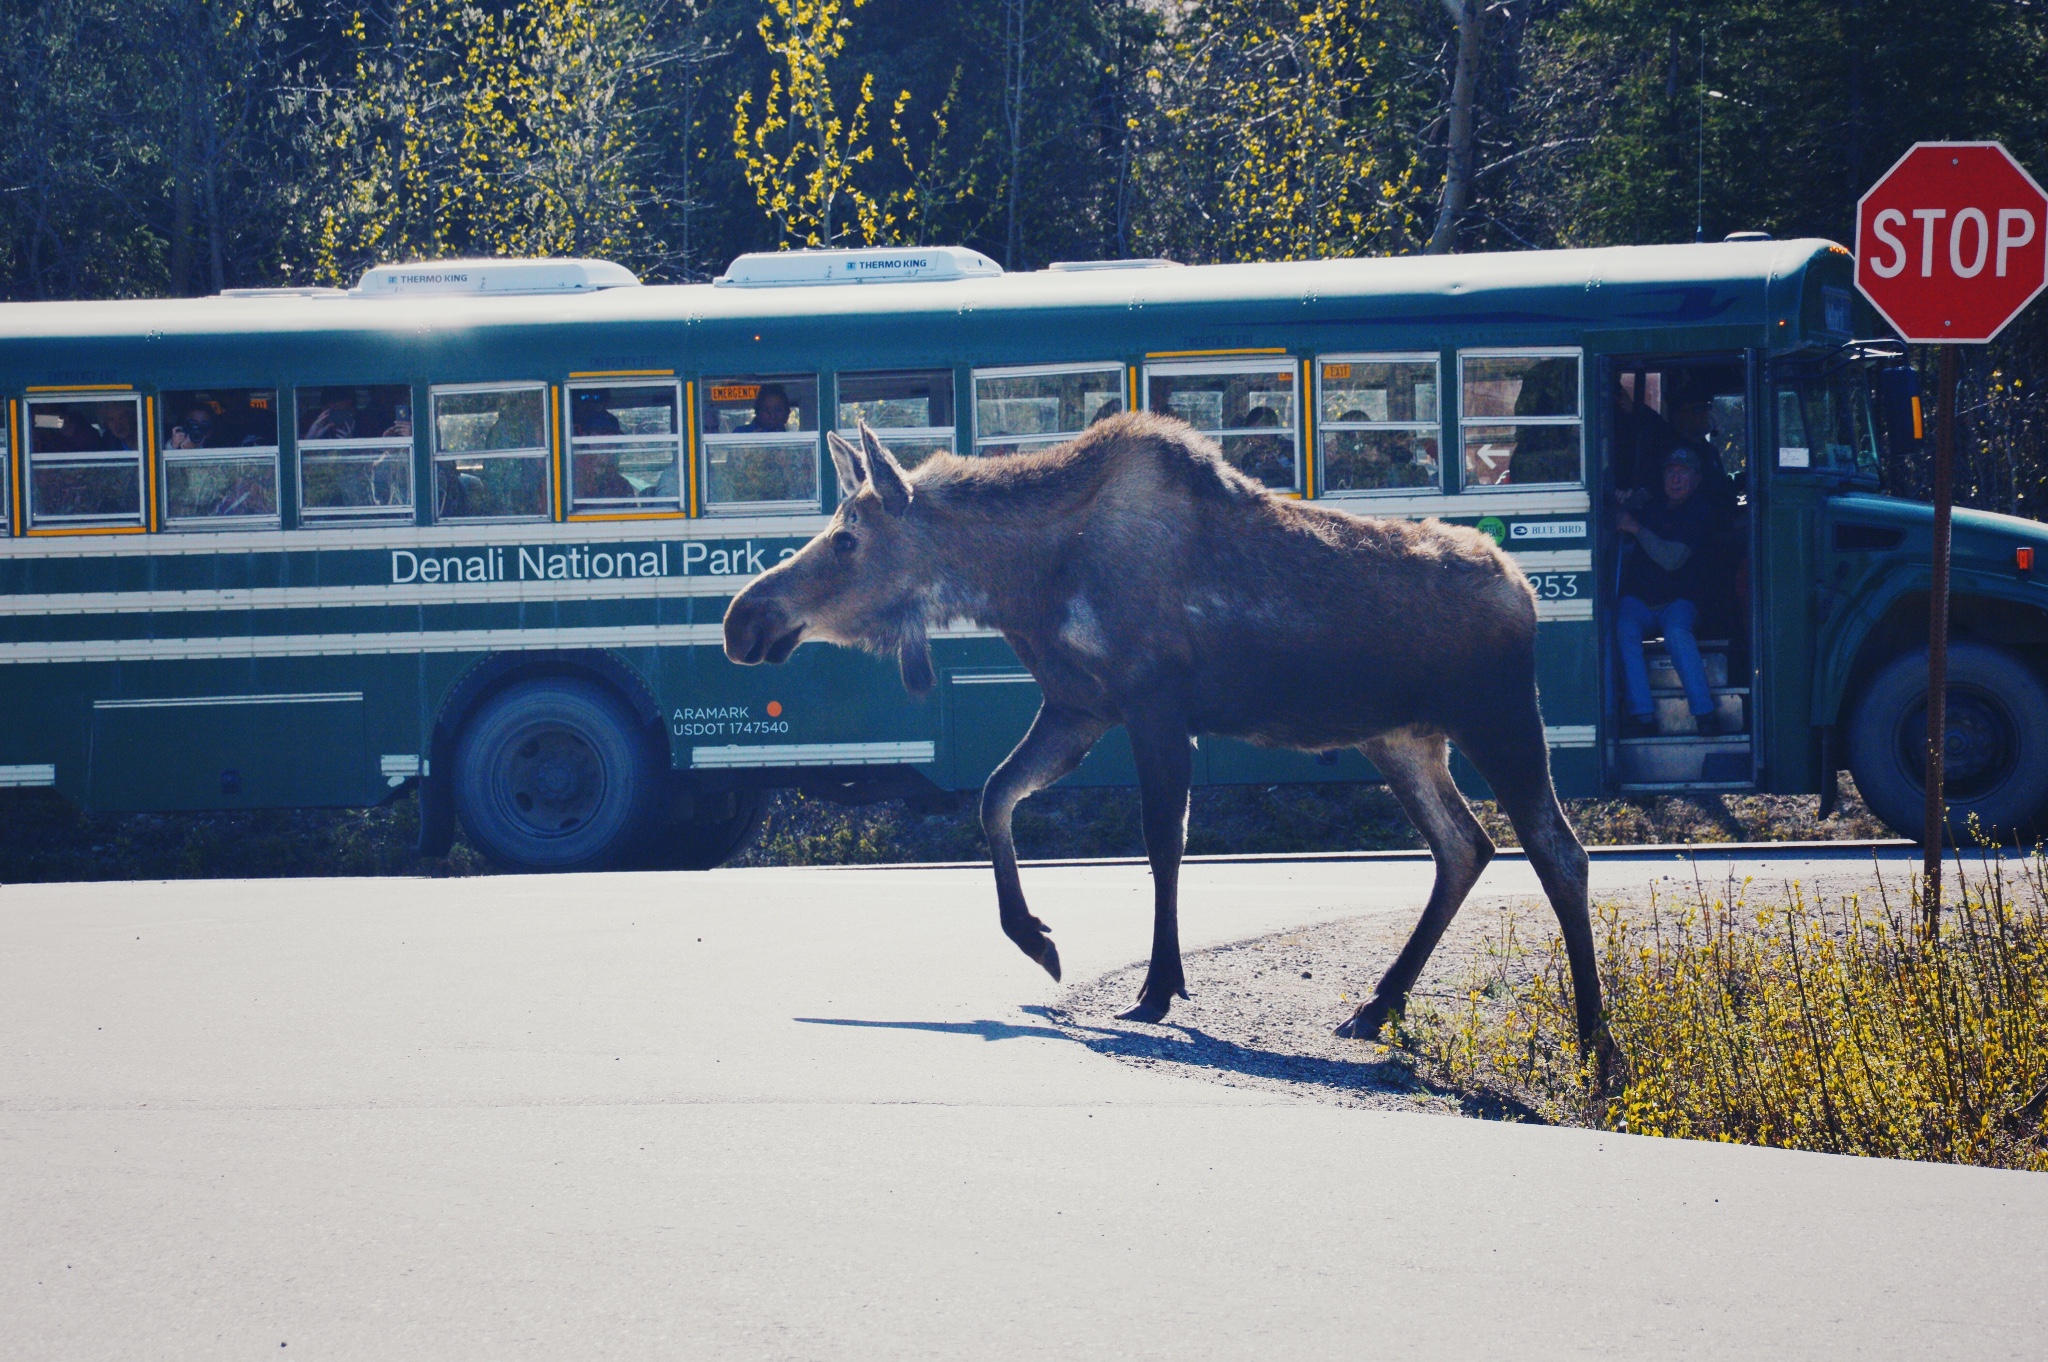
[1144, 581]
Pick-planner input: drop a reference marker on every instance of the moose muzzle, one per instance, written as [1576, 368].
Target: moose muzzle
[758, 630]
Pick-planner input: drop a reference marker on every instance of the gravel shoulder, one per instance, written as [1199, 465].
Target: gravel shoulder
[1262, 1011]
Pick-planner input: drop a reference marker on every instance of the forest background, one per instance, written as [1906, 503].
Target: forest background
[178, 147]
[167, 147]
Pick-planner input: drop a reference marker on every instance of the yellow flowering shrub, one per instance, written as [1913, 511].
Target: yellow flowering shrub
[1839, 1026]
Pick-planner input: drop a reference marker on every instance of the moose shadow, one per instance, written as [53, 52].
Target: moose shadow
[1213, 1056]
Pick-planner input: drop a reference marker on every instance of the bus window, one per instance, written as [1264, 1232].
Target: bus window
[491, 452]
[1376, 423]
[220, 457]
[1030, 408]
[1825, 422]
[1519, 415]
[85, 462]
[625, 447]
[761, 443]
[1245, 405]
[355, 454]
[911, 412]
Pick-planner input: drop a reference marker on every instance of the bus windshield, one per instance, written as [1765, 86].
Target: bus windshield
[1825, 421]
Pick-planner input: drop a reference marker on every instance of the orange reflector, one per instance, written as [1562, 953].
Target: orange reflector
[2023, 559]
[1919, 424]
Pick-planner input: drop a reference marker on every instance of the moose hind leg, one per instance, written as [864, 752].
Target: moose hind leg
[1516, 763]
[1055, 745]
[1159, 742]
[1417, 768]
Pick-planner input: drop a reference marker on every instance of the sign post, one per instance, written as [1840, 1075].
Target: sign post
[1951, 243]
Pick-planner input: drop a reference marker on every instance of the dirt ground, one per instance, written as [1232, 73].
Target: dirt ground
[1262, 1012]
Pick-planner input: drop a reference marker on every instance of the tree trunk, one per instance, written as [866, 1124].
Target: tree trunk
[1467, 14]
[182, 215]
[1014, 17]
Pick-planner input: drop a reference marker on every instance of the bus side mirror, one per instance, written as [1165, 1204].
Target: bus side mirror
[1900, 408]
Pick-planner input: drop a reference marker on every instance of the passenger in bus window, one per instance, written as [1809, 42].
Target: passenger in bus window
[1663, 586]
[588, 415]
[336, 419]
[77, 436]
[195, 431]
[771, 411]
[1269, 458]
[117, 421]
[598, 475]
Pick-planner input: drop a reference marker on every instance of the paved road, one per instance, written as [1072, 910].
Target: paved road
[807, 1113]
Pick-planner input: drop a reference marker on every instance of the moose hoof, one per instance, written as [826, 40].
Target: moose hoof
[1034, 938]
[1367, 1022]
[1049, 956]
[1148, 1012]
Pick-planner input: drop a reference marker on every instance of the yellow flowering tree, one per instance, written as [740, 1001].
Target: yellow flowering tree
[1287, 103]
[801, 154]
[465, 129]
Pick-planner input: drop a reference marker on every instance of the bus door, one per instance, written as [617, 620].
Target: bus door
[1676, 577]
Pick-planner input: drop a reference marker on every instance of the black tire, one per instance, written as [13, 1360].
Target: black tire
[719, 827]
[1996, 766]
[554, 775]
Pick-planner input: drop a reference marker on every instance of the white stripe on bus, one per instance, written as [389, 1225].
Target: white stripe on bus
[22, 777]
[325, 697]
[372, 645]
[450, 537]
[814, 754]
[541, 592]
[456, 537]
[346, 597]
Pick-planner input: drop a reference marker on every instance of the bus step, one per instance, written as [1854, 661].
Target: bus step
[1664, 676]
[1687, 787]
[1683, 760]
[1675, 717]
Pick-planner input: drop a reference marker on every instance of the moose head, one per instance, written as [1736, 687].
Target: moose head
[859, 583]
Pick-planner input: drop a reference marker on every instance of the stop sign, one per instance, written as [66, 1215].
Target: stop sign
[1952, 242]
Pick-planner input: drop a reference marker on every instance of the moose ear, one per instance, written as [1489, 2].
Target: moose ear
[847, 460]
[886, 472]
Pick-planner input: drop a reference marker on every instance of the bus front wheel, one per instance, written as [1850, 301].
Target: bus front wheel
[1995, 763]
[554, 775]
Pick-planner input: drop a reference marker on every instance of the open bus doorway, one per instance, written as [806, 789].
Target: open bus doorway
[1676, 582]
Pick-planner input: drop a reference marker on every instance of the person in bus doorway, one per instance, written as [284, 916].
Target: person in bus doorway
[1692, 421]
[1663, 583]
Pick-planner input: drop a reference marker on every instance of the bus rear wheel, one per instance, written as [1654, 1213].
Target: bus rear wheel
[1995, 761]
[554, 775]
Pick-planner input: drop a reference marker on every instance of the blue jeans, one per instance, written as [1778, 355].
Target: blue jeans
[1633, 622]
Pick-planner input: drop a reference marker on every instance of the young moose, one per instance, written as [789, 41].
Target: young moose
[1143, 581]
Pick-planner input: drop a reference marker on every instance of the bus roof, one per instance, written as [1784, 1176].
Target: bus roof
[1621, 285]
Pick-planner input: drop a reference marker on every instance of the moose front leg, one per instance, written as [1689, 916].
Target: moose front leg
[1058, 740]
[1159, 742]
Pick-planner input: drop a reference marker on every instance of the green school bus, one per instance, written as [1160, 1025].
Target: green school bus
[470, 527]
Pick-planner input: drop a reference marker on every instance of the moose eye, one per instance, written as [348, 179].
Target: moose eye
[844, 542]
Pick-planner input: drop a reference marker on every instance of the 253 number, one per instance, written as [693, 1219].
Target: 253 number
[1555, 586]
